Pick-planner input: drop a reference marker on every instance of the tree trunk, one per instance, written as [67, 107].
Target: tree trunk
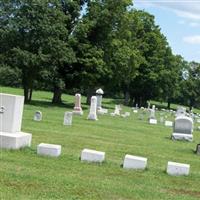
[57, 93]
[131, 101]
[126, 97]
[89, 95]
[30, 93]
[27, 94]
[168, 104]
[191, 104]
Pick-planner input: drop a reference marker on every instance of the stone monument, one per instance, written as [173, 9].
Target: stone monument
[183, 128]
[38, 116]
[11, 112]
[68, 119]
[77, 108]
[93, 106]
[152, 117]
[99, 94]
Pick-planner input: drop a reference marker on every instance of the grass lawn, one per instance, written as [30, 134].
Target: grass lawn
[24, 175]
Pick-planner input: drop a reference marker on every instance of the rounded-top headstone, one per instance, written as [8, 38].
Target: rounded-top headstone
[38, 116]
[100, 91]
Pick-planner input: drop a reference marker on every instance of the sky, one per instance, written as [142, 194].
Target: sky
[179, 21]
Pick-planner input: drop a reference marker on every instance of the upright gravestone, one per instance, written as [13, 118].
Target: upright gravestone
[93, 112]
[38, 116]
[152, 117]
[148, 105]
[77, 108]
[11, 112]
[181, 111]
[99, 94]
[183, 128]
[68, 119]
[117, 109]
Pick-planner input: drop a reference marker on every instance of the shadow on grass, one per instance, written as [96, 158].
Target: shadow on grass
[47, 104]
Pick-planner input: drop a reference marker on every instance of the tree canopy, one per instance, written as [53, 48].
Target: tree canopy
[79, 45]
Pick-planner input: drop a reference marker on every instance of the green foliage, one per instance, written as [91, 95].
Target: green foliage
[80, 45]
[10, 76]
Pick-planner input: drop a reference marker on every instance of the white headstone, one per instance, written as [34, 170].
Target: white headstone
[181, 111]
[49, 149]
[169, 123]
[92, 155]
[152, 114]
[93, 106]
[183, 128]
[38, 116]
[117, 109]
[99, 94]
[152, 121]
[134, 162]
[161, 119]
[68, 118]
[11, 111]
[77, 108]
[177, 169]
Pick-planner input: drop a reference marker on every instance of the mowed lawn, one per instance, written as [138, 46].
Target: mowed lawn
[24, 175]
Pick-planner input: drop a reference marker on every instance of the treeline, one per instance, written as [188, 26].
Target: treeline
[79, 45]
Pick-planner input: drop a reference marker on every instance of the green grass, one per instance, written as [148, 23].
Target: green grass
[24, 175]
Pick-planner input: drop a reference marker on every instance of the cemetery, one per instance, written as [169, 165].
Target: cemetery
[111, 151]
[100, 100]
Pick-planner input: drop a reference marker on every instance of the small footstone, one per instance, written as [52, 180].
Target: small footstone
[177, 169]
[49, 149]
[92, 155]
[169, 123]
[152, 121]
[134, 162]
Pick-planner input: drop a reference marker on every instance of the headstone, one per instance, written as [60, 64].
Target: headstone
[148, 105]
[49, 149]
[92, 155]
[11, 112]
[181, 111]
[99, 94]
[198, 149]
[93, 112]
[134, 162]
[116, 111]
[38, 116]
[152, 121]
[161, 119]
[183, 128]
[152, 114]
[68, 118]
[77, 108]
[169, 123]
[152, 117]
[127, 114]
[141, 115]
[177, 169]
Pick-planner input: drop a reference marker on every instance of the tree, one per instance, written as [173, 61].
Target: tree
[190, 91]
[152, 46]
[39, 41]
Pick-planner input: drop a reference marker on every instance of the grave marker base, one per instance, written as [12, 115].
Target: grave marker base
[15, 140]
